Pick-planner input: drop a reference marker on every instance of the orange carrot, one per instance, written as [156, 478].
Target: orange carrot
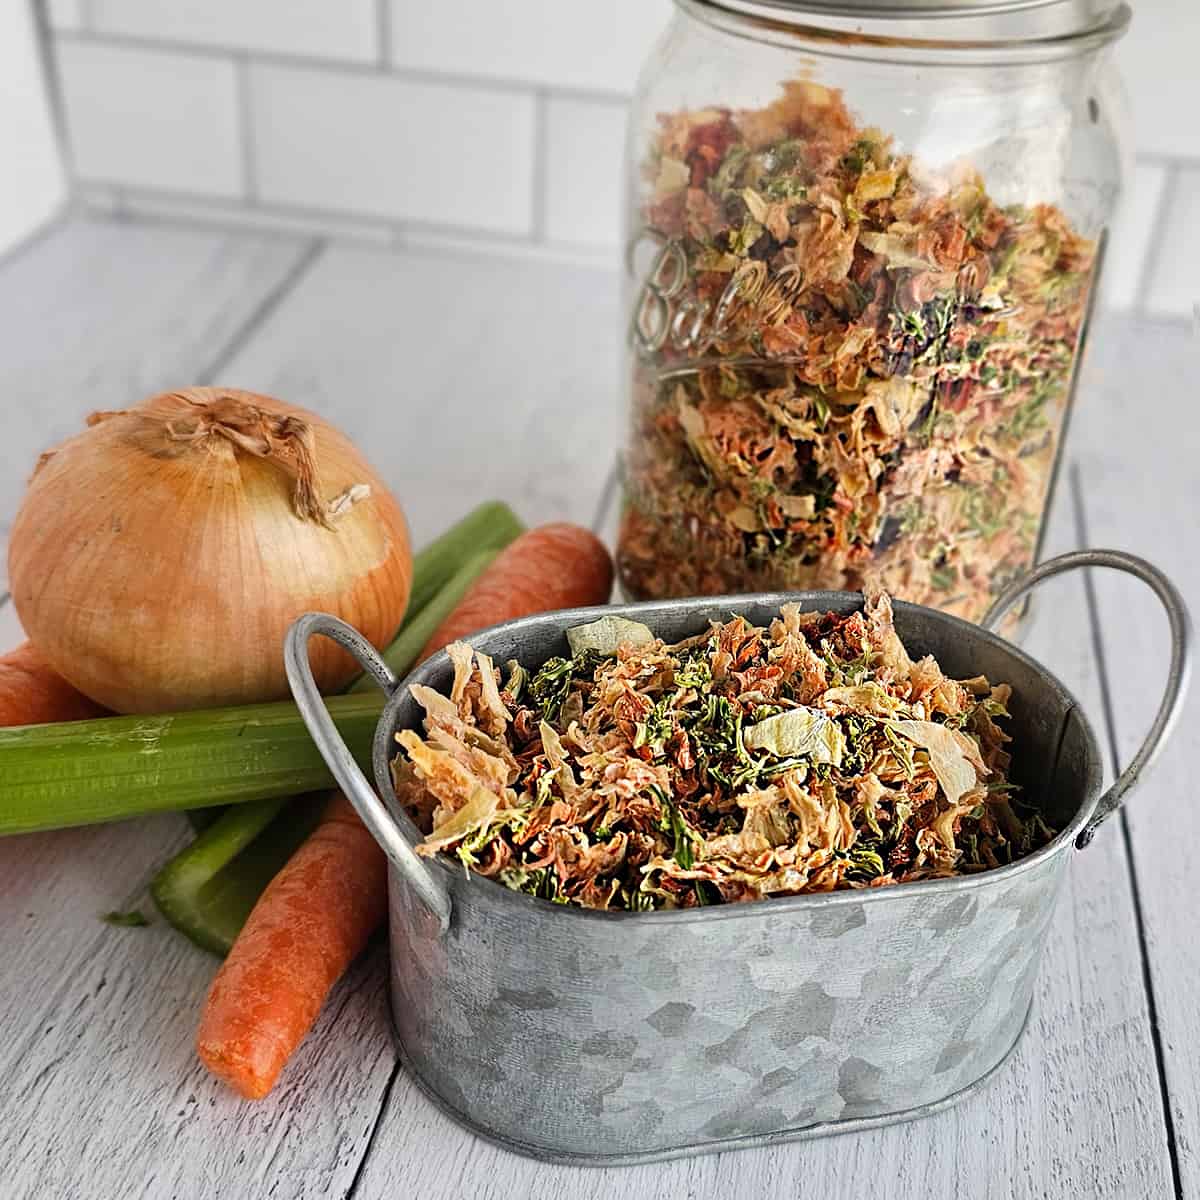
[553, 566]
[312, 921]
[319, 912]
[32, 694]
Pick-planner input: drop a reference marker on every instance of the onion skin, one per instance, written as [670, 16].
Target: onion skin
[158, 570]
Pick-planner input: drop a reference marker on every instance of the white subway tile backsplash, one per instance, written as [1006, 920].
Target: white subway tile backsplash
[1175, 273]
[342, 29]
[430, 141]
[1132, 236]
[151, 119]
[1158, 59]
[65, 15]
[394, 148]
[584, 175]
[597, 44]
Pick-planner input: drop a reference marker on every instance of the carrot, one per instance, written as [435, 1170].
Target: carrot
[554, 566]
[312, 921]
[32, 694]
[319, 912]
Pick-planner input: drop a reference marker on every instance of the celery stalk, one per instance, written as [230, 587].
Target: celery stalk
[86, 772]
[207, 890]
[491, 526]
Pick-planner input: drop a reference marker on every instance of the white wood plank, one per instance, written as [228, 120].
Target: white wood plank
[103, 1093]
[1075, 1113]
[1139, 442]
[55, 887]
[463, 379]
[100, 315]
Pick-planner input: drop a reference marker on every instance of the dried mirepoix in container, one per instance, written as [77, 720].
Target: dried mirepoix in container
[739, 764]
[848, 369]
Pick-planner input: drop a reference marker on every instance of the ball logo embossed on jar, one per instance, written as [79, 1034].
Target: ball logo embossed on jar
[667, 314]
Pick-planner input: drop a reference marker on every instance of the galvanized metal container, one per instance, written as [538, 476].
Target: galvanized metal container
[591, 1037]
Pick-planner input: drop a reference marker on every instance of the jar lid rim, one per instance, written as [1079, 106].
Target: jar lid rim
[1041, 29]
[902, 9]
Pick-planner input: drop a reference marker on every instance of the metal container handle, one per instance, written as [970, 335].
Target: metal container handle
[1177, 675]
[341, 762]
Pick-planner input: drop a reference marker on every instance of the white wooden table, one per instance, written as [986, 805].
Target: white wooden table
[469, 378]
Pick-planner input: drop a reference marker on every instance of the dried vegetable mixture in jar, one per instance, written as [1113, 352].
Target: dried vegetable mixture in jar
[848, 370]
[739, 764]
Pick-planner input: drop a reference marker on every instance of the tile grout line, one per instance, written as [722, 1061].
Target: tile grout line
[1083, 540]
[383, 31]
[541, 167]
[46, 37]
[241, 66]
[315, 212]
[1149, 267]
[245, 221]
[269, 303]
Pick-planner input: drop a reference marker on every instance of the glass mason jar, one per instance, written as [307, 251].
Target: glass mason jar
[862, 244]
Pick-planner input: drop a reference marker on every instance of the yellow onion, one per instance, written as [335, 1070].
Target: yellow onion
[159, 556]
